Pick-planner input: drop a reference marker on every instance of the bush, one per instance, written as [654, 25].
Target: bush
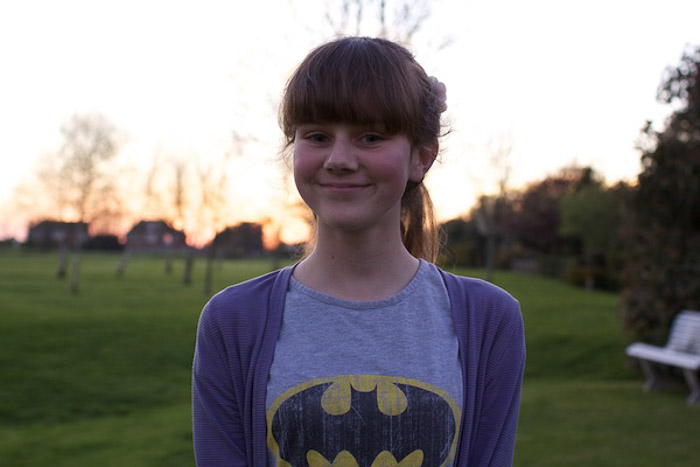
[662, 234]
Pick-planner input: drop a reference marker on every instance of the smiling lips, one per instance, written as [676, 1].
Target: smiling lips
[343, 187]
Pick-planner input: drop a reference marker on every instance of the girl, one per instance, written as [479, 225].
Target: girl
[364, 353]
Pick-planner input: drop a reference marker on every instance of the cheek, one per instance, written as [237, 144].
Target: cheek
[304, 170]
[393, 170]
[303, 165]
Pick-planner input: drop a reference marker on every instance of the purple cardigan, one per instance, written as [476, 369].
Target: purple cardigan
[236, 340]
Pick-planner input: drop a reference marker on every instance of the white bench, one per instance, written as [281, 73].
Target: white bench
[682, 351]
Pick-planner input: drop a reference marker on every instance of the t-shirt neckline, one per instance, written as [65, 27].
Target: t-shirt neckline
[297, 286]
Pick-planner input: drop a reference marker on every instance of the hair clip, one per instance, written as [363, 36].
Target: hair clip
[440, 90]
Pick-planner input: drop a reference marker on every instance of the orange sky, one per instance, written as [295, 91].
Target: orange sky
[566, 82]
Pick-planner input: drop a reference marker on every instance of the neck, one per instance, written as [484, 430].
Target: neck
[362, 266]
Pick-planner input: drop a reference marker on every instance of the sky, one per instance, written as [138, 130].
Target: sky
[560, 83]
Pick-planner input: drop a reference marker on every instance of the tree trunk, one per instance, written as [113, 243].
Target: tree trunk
[169, 261]
[209, 271]
[490, 255]
[75, 270]
[189, 264]
[590, 272]
[62, 261]
[121, 268]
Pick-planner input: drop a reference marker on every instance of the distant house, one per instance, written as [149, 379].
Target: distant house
[154, 235]
[243, 240]
[47, 234]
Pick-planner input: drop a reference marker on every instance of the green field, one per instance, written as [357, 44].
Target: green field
[102, 378]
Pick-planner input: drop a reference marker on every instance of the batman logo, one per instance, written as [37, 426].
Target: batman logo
[363, 421]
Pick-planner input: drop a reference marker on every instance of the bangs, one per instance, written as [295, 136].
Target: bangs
[355, 81]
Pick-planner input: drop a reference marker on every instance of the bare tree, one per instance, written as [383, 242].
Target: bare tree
[167, 194]
[78, 180]
[153, 200]
[152, 203]
[179, 191]
[89, 142]
[179, 201]
[499, 150]
[213, 201]
[397, 20]
[490, 212]
[166, 188]
[213, 183]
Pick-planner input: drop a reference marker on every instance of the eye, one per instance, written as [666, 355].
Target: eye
[372, 138]
[316, 137]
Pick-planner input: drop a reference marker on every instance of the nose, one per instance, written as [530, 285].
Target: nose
[341, 157]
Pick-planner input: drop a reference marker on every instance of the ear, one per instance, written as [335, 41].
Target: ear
[422, 158]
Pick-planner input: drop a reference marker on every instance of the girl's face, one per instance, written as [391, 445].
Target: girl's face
[353, 176]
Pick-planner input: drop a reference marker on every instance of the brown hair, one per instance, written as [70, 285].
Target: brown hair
[366, 81]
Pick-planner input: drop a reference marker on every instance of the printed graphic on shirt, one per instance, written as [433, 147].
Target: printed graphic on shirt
[363, 421]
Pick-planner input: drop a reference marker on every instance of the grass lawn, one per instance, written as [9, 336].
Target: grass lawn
[102, 378]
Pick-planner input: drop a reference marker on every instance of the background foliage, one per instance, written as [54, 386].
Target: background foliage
[662, 232]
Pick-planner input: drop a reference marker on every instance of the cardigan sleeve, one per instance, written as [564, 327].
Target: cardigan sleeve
[495, 434]
[216, 412]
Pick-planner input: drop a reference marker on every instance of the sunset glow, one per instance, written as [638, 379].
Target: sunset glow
[199, 83]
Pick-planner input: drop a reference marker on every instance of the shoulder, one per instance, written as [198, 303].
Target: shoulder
[482, 304]
[249, 290]
[245, 303]
[480, 291]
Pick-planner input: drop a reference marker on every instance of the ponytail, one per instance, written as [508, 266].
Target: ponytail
[419, 230]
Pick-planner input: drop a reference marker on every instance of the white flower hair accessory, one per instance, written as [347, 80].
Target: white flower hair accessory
[440, 91]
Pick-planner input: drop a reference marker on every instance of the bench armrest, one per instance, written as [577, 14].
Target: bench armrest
[664, 355]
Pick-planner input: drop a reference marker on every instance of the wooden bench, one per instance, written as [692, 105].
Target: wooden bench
[682, 351]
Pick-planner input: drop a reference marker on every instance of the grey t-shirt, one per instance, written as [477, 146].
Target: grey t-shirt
[366, 381]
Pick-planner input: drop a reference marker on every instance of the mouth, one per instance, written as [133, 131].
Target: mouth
[343, 187]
